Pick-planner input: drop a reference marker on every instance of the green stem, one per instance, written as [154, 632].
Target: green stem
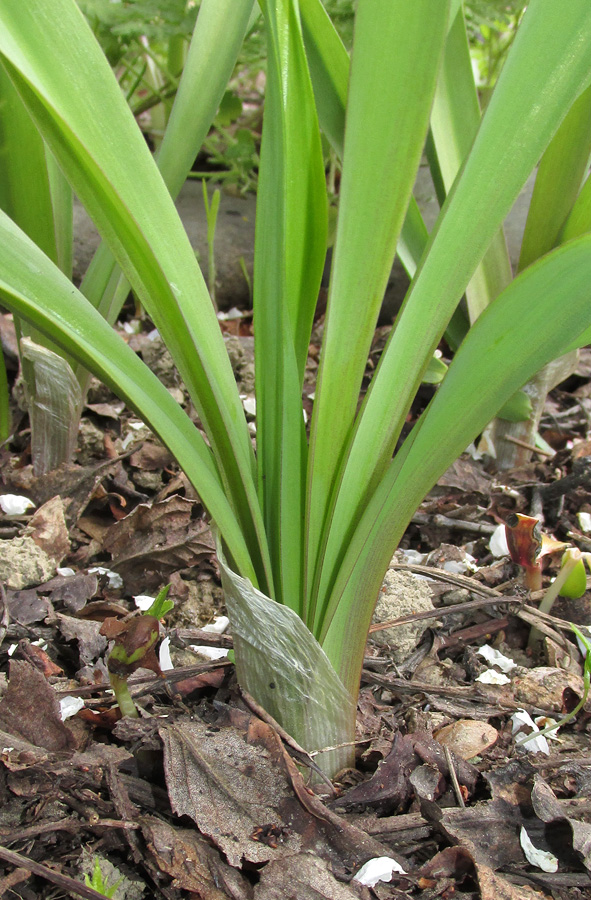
[122, 696]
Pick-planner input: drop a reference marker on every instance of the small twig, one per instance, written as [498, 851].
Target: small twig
[454, 777]
[464, 581]
[62, 881]
[455, 524]
[443, 611]
[70, 824]
[5, 617]
[526, 446]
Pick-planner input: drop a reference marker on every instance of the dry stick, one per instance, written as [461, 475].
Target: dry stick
[302, 755]
[453, 776]
[526, 446]
[441, 575]
[441, 612]
[70, 824]
[62, 881]
[455, 524]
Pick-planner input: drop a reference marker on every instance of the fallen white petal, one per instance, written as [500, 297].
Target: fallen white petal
[584, 520]
[209, 652]
[498, 543]
[15, 505]
[115, 580]
[11, 649]
[164, 655]
[491, 676]
[378, 869]
[250, 406]
[218, 626]
[65, 571]
[69, 706]
[143, 601]
[544, 860]
[233, 313]
[537, 744]
[496, 658]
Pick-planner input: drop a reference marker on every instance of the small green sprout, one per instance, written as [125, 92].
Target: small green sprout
[135, 641]
[97, 882]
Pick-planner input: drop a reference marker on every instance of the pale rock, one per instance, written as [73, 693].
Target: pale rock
[401, 595]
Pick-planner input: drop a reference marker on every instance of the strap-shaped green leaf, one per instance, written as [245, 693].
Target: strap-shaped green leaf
[548, 300]
[73, 97]
[532, 96]
[290, 248]
[33, 288]
[396, 53]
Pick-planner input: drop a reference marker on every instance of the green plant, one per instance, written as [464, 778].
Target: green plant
[98, 883]
[134, 647]
[307, 529]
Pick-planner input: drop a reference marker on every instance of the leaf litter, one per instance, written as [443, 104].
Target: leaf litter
[202, 796]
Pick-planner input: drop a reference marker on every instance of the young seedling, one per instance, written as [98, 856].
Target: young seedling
[135, 640]
[98, 883]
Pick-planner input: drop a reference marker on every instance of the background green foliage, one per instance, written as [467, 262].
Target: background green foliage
[130, 31]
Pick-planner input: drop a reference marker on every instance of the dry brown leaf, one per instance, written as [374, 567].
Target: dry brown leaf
[467, 737]
[30, 709]
[153, 541]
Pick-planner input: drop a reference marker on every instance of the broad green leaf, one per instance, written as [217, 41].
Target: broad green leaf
[24, 182]
[396, 52]
[558, 181]
[33, 288]
[217, 37]
[95, 140]
[290, 248]
[533, 94]
[550, 300]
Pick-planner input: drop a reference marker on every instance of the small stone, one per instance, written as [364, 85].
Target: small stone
[24, 564]
[402, 594]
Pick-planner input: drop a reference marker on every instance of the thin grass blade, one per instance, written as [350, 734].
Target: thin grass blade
[558, 181]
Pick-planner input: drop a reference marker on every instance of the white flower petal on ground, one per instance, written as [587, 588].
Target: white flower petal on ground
[209, 652]
[537, 744]
[380, 868]
[15, 505]
[498, 543]
[164, 656]
[218, 626]
[544, 860]
[69, 706]
[491, 676]
[143, 602]
[115, 580]
[496, 658]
